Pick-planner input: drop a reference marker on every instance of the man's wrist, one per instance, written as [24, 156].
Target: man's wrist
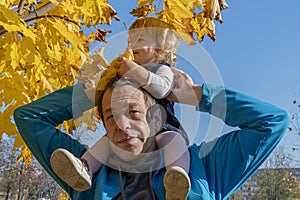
[198, 94]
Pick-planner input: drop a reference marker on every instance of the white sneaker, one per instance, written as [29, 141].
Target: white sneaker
[71, 170]
[177, 183]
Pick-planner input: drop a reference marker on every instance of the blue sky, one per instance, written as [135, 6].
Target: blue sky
[257, 50]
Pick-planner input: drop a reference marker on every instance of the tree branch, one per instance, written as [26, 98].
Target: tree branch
[21, 6]
[39, 12]
[52, 16]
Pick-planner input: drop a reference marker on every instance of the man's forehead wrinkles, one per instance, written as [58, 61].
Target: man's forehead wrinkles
[126, 103]
[121, 97]
[130, 94]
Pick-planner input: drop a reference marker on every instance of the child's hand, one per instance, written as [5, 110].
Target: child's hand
[126, 66]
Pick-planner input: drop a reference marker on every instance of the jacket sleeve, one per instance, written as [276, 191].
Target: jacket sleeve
[227, 162]
[160, 83]
[37, 123]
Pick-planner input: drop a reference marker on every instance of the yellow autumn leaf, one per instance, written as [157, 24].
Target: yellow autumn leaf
[10, 128]
[14, 55]
[5, 119]
[143, 11]
[26, 154]
[179, 25]
[11, 21]
[2, 66]
[212, 9]
[55, 2]
[19, 142]
[10, 89]
[31, 1]
[89, 119]
[223, 4]
[144, 2]
[111, 71]
[203, 26]
[46, 84]
[28, 52]
[108, 12]
[69, 126]
[177, 9]
[191, 4]
[62, 29]
[8, 16]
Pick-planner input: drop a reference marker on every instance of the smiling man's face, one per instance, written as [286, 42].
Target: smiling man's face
[124, 116]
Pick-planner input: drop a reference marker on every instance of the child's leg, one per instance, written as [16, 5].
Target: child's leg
[175, 150]
[97, 154]
[78, 172]
[177, 161]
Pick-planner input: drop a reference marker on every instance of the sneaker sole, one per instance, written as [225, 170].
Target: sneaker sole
[177, 184]
[63, 164]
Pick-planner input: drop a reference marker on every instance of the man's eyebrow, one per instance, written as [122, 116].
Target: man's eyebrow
[108, 110]
[136, 105]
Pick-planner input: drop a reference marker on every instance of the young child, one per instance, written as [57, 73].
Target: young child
[154, 45]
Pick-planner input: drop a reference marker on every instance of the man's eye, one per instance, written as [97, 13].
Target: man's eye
[134, 113]
[109, 117]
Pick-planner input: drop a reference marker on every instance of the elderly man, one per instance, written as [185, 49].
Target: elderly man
[216, 171]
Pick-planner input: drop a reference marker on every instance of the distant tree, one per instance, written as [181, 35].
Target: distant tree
[274, 181]
[294, 127]
[9, 168]
[236, 196]
[19, 181]
[276, 184]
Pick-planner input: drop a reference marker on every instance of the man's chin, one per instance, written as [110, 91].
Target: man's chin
[126, 155]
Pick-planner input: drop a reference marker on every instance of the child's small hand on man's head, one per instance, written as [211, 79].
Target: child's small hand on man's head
[126, 65]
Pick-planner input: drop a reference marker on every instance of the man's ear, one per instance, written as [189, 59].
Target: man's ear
[156, 116]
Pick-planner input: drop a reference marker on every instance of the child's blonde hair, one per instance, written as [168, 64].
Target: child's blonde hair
[166, 38]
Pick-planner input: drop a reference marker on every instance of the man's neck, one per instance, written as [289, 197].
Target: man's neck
[144, 162]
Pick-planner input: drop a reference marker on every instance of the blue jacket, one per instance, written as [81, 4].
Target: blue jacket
[218, 168]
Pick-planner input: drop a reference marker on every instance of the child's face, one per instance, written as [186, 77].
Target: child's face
[142, 45]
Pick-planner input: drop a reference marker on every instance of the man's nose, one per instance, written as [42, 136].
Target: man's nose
[123, 123]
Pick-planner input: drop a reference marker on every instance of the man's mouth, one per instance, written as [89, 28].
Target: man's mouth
[127, 140]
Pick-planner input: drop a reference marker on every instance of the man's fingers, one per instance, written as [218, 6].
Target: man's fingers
[172, 97]
[176, 71]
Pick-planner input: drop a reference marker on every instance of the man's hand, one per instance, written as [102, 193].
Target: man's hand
[185, 91]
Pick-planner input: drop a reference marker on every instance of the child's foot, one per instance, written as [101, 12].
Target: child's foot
[70, 169]
[177, 183]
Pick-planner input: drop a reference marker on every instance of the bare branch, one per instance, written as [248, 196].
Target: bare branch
[39, 12]
[52, 16]
[21, 6]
